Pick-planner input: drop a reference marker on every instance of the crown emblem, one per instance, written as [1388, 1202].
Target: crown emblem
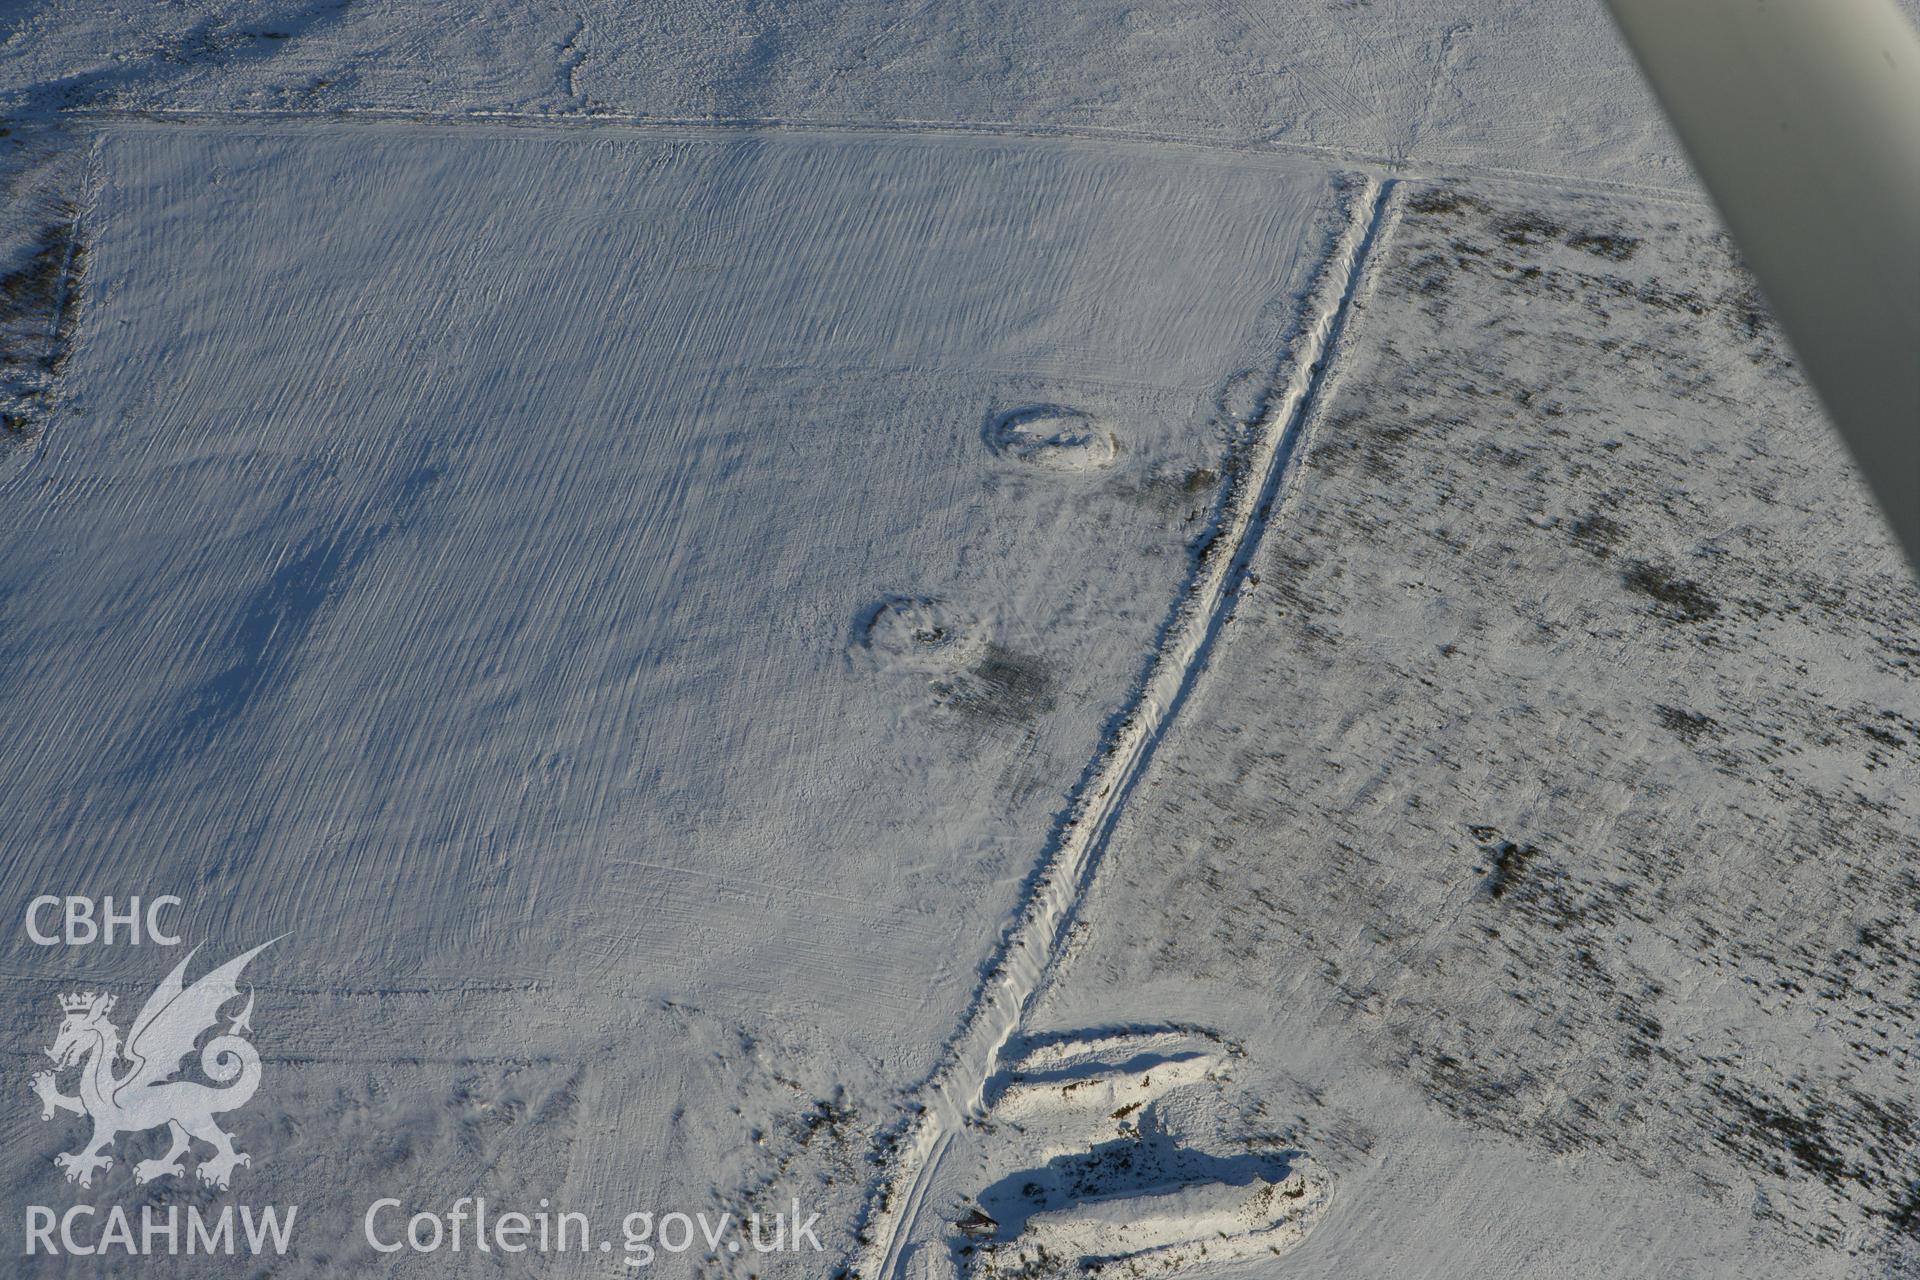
[86, 1002]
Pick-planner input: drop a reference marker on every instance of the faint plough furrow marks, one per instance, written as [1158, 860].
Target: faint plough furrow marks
[271, 622]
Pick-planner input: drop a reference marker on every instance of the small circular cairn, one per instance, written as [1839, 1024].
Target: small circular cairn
[1052, 436]
[914, 633]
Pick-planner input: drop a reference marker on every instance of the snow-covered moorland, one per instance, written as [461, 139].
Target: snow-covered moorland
[1155, 639]
[1552, 777]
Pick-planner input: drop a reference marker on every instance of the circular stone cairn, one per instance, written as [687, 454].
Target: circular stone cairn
[913, 633]
[1054, 437]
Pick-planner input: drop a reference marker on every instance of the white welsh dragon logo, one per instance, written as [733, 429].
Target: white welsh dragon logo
[145, 1095]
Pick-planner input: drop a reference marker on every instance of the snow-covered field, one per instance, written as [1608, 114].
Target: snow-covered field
[655, 575]
[1162, 639]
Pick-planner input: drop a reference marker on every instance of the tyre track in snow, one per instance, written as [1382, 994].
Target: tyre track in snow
[955, 1093]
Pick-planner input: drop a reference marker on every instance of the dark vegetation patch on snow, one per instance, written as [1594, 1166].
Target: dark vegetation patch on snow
[39, 310]
[1567, 739]
[1004, 688]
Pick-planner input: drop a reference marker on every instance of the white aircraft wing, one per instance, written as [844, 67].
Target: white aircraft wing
[1803, 119]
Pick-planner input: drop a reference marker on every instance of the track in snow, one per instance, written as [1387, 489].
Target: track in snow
[1401, 165]
[955, 1093]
